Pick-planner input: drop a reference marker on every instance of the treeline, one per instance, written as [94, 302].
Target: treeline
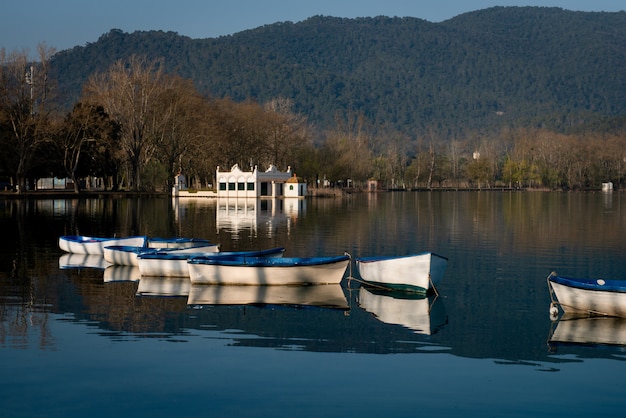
[137, 126]
[484, 71]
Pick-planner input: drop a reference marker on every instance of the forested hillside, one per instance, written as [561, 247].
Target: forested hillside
[476, 73]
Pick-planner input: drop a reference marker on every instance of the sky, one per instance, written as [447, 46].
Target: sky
[63, 24]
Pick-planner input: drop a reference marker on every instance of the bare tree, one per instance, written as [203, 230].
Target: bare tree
[24, 92]
[130, 92]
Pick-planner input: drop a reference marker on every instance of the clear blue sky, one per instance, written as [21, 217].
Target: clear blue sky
[63, 24]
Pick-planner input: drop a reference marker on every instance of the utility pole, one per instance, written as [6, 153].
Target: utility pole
[30, 80]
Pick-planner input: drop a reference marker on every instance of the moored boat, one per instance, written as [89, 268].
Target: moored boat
[417, 272]
[80, 244]
[267, 271]
[126, 255]
[587, 295]
[174, 263]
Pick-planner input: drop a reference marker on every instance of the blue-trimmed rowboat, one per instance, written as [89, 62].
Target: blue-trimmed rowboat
[267, 271]
[80, 244]
[416, 272]
[174, 263]
[126, 255]
[587, 296]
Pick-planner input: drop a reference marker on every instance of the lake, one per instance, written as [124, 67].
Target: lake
[92, 341]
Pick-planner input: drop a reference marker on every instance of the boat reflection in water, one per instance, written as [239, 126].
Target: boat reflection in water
[163, 286]
[587, 331]
[424, 314]
[329, 296]
[73, 261]
[116, 273]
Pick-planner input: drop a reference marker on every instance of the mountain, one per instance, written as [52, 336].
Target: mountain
[473, 74]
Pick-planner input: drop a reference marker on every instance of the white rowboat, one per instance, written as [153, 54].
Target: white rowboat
[589, 296]
[418, 272]
[268, 271]
[79, 244]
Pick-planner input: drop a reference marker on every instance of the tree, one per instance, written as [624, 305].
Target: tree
[181, 126]
[130, 92]
[86, 126]
[24, 94]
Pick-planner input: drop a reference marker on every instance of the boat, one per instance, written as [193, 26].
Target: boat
[79, 261]
[419, 273]
[267, 271]
[587, 296]
[573, 330]
[116, 273]
[176, 242]
[423, 314]
[126, 255]
[327, 296]
[174, 263]
[80, 244]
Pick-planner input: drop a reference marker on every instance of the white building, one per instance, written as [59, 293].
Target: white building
[255, 183]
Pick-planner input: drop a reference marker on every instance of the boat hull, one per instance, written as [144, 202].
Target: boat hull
[78, 244]
[124, 255]
[175, 264]
[590, 296]
[418, 273]
[286, 271]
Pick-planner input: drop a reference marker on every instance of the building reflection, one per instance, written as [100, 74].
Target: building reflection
[256, 215]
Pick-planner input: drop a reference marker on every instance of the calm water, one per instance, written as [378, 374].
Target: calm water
[91, 341]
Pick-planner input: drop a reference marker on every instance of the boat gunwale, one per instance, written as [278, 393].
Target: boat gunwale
[370, 259]
[590, 284]
[279, 262]
[201, 255]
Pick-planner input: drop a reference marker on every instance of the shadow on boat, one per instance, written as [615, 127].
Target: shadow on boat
[423, 314]
[327, 296]
[587, 331]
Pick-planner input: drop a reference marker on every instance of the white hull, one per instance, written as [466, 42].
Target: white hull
[96, 246]
[164, 267]
[424, 315]
[419, 272]
[267, 275]
[598, 302]
[121, 257]
[324, 296]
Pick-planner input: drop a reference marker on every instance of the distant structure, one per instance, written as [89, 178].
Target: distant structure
[607, 187]
[236, 183]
